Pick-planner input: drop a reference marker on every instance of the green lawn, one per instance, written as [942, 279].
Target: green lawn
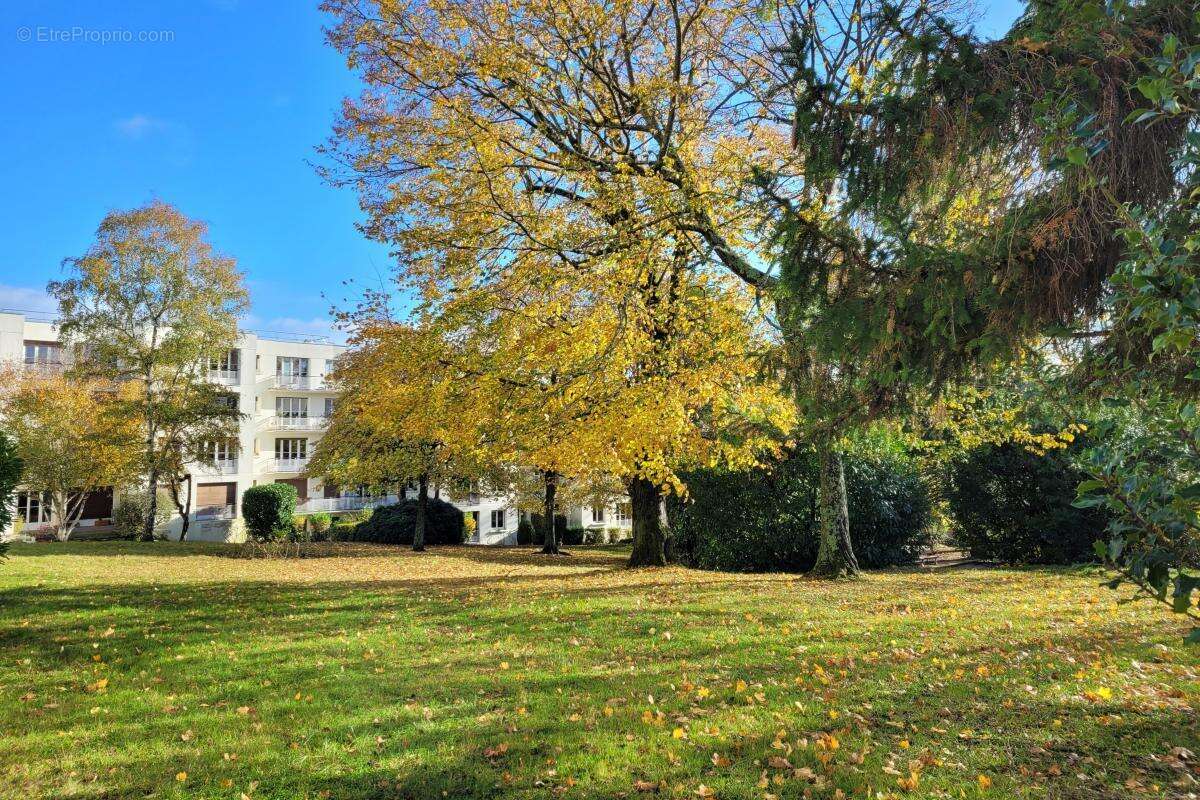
[179, 671]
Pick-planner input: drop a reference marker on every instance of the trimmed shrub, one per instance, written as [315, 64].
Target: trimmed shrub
[1015, 506]
[341, 532]
[571, 536]
[130, 516]
[539, 528]
[318, 526]
[395, 524]
[765, 520]
[268, 510]
[525, 531]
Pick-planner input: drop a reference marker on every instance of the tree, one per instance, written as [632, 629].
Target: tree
[194, 416]
[10, 476]
[151, 302]
[570, 214]
[73, 438]
[403, 415]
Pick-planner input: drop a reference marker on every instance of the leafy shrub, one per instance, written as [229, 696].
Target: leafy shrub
[129, 518]
[341, 532]
[1015, 506]
[318, 526]
[572, 536]
[10, 476]
[395, 524]
[538, 537]
[468, 526]
[268, 510]
[525, 532]
[765, 520]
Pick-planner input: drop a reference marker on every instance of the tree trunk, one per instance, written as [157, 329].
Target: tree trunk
[152, 508]
[835, 554]
[550, 544]
[183, 508]
[422, 509]
[151, 456]
[649, 537]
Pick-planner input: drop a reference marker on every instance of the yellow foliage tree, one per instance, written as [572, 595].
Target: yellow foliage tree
[580, 217]
[72, 436]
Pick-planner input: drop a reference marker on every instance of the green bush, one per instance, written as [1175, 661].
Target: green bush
[395, 524]
[764, 520]
[1015, 506]
[525, 531]
[10, 477]
[538, 537]
[341, 532]
[268, 510]
[572, 536]
[318, 526]
[129, 518]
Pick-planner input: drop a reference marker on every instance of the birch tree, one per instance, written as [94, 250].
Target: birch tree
[150, 302]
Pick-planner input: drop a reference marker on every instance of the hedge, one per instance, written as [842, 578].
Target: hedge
[764, 520]
[395, 524]
[1015, 506]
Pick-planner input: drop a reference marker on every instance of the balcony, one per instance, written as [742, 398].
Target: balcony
[317, 504]
[225, 377]
[222, 466]
[215, 512]
[299, 383]
[285, 464]
[279, 423]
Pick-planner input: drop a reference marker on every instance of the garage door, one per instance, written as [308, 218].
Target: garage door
[213, 497]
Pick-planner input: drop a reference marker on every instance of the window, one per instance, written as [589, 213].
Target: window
[597, 514]
[497, 518]
[329, 406]
[291, 367]
[229, 361]
[291, 407]
[43, 353]
[222, 451]
[33, 507]
[228, 400]
[287, 449]
[624, 512]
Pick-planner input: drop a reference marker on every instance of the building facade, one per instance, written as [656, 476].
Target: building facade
[281, 388]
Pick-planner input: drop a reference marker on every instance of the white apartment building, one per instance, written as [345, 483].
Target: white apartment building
[281, 390]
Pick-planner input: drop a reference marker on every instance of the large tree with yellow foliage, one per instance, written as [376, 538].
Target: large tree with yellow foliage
[150, 302]
[573, 177]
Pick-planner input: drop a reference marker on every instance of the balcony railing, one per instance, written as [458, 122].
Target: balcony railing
[316, 504]
[281, 423]
[222, 466]
[301, 383]
[226, 377]
[215, 512]
[45, 367]
[286, 464]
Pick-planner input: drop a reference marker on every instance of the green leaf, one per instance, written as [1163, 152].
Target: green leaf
[1101, 549]
[1076, 155]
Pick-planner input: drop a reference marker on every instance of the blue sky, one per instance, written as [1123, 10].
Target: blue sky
[220, 116]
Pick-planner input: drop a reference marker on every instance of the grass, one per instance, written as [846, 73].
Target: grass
[135, 670]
